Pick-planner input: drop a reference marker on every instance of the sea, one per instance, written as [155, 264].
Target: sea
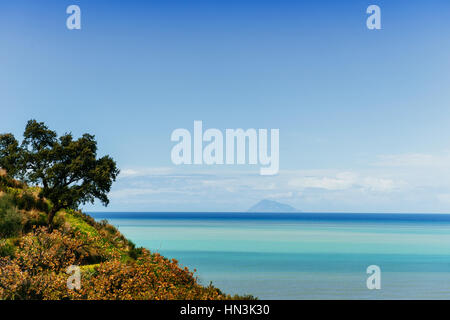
[302, 255]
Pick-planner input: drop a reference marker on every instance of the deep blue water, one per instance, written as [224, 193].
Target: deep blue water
[400, 217]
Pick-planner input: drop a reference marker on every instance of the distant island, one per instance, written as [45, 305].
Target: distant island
[272, 206]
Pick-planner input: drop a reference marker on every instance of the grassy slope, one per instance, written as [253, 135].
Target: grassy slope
[107, 257]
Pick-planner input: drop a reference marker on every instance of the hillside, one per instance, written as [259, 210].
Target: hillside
[34, 257]
[270, 206]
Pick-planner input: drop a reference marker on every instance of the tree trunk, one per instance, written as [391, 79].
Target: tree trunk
[51, 215]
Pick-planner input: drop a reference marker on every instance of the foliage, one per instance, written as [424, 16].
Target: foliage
[42, 232]
[8, 182]
[27, 201]
[9, 153]
[33, 266]
[10, 218]
[37, 272]
[149, 277]
[7, 249]
[68, 170]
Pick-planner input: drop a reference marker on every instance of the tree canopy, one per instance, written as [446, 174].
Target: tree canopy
[67, 170]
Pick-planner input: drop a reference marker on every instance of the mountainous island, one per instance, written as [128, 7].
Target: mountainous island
[270, 206]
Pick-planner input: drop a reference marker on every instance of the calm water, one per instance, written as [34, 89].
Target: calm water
[302, 256]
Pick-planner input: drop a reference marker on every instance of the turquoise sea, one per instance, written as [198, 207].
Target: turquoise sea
[302, 256]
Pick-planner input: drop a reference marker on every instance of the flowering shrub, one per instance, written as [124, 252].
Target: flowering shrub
[38, 271]
[149, 277]
[34, 258]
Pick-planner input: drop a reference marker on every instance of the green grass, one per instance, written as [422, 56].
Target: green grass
[78, 224]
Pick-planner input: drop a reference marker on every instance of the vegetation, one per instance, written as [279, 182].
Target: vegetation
[34, 258]
[10, 218]
[68, 170]
[35, 255]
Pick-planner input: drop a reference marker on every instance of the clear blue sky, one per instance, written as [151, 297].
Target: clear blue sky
[363, 115]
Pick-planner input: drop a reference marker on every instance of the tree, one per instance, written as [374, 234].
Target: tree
[9, 153]
[67, 170]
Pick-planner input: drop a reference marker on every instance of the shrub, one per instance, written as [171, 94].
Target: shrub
[134, 252]
[8, 182]
[42, 205]
[26, 201]
[41, 250]
[17, 283]
[6, 248]
[149, 277]
[10, 218]
[33, 219]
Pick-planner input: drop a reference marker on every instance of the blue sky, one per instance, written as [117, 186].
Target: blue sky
[363, 115]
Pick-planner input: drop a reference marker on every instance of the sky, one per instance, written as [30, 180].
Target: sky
[363, 114]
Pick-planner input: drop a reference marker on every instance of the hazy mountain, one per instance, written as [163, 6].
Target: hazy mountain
[272, 206]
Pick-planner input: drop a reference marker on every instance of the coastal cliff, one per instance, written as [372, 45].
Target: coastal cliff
[36, 260]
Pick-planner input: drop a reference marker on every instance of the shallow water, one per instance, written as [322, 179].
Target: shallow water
[302, 256]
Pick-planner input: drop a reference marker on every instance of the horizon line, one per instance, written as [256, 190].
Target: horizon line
[274, 212]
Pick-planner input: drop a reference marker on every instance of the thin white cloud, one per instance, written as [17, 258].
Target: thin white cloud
[143, 172]
[413, 160]
[282, 195]
[378, 184]
[137, 192]
[341, 181]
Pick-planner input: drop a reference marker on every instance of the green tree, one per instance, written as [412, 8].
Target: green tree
[9, 153]
[67, 170]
